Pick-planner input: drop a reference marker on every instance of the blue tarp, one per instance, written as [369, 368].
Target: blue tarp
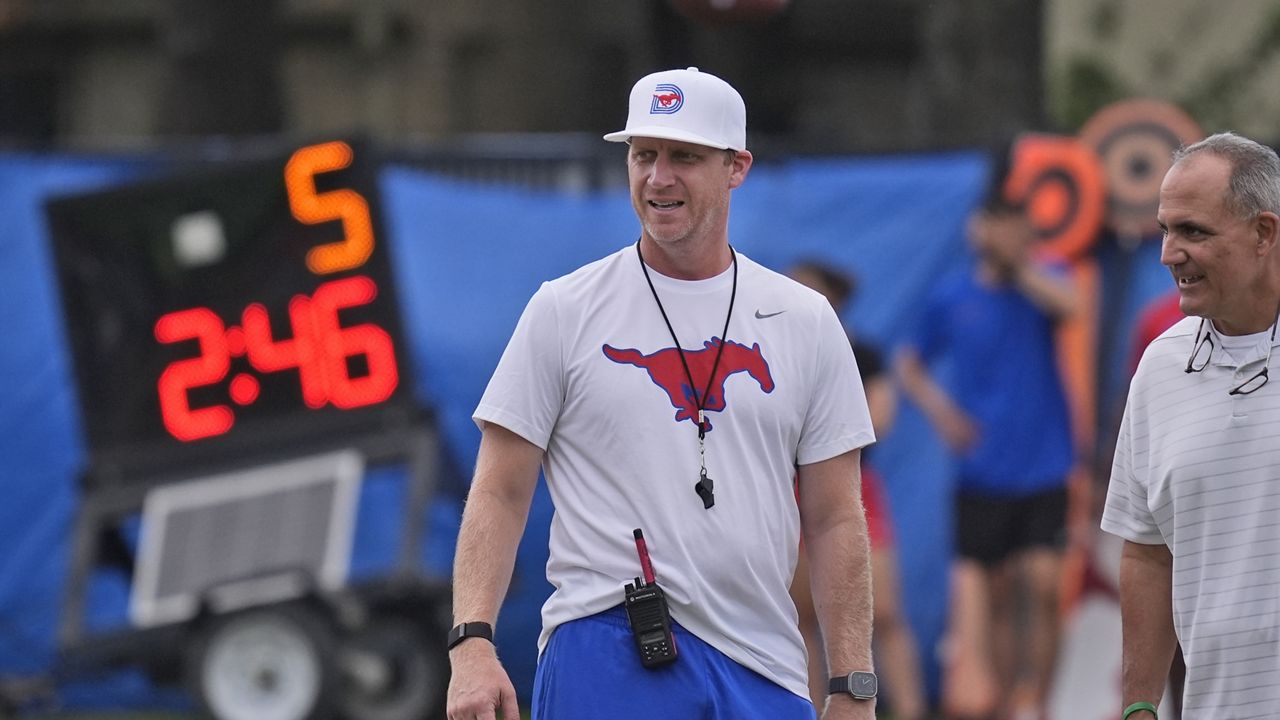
[467, 258]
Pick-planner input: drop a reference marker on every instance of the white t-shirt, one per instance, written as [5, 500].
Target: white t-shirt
[591, 375]
[1198, 469]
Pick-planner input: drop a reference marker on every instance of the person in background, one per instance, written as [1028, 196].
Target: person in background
[678, 388]
[1195, 482]
[1004, 416]
[896, 651]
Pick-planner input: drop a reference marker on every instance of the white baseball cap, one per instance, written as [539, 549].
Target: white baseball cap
[686, 105]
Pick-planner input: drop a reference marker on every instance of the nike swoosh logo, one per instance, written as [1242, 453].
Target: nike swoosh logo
[762, 316]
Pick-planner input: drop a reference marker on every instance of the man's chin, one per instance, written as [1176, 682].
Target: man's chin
[666, 236]
[1189, 304]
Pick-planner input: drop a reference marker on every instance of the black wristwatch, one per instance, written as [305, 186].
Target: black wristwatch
[862, 685]
[469, 630]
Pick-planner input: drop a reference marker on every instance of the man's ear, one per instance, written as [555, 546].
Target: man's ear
[741, 166]
[1267, 227]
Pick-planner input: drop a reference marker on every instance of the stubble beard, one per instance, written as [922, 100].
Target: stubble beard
[668, 237]
[687, 235]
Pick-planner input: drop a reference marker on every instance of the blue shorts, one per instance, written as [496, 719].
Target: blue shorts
[591, 670]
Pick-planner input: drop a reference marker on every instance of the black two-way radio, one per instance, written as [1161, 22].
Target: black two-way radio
[647, 611]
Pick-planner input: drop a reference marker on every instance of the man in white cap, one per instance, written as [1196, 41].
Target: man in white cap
[676, 388]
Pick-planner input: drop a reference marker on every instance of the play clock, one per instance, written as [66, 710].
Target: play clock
[243, 306]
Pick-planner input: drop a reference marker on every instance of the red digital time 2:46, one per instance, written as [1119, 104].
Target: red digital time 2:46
[318, 346]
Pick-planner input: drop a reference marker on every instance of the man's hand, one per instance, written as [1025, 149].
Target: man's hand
[479, 688]
[845, 707]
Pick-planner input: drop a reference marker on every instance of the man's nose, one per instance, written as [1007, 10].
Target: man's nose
[661, 174]
[1171, 253]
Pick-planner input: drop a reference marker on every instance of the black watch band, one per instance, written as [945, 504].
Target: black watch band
[469, 630]
[862, 685]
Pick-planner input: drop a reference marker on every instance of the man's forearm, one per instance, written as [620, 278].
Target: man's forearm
[1146, 611]
[492, 523]
[841, 580]
[919, 384]
[1055, 296]
[485, 557]
[835, 535]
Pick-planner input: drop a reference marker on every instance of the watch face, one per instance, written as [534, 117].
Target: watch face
[862, 684]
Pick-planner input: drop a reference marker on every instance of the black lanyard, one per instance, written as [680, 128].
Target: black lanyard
[705, 486]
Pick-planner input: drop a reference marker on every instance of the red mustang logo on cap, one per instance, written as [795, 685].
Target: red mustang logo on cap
[667, 372]
[666, 99]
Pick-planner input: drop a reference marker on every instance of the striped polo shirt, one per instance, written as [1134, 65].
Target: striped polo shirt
[1198, 469]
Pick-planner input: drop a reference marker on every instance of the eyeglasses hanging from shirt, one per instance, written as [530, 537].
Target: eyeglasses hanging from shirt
[1204, 342]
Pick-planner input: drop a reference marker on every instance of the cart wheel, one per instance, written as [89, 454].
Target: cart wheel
[391, 673]
[265, 664]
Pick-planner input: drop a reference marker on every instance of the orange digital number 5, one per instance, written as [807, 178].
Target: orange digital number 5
[313, 207]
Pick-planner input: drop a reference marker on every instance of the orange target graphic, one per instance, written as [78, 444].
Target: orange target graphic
[1135, 140]
[1060, 181]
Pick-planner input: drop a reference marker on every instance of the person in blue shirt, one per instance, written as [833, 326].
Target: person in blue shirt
[1003, 413]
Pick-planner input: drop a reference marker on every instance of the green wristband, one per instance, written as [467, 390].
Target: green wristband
[1138, 707]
